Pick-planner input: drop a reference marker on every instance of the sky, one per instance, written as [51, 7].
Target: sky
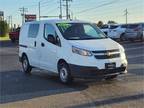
[89, 10]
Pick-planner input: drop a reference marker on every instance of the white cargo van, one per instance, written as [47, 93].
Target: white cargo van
[70, 49]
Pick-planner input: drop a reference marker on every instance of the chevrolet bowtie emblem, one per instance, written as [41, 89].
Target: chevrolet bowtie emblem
[107, 54]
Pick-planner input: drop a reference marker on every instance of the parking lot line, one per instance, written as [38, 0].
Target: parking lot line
[134, 48]
[135, 56]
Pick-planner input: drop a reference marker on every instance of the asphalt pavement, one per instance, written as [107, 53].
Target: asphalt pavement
[41, 90]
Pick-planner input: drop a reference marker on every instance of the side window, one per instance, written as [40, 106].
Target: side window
[49, 30]
[33, 30]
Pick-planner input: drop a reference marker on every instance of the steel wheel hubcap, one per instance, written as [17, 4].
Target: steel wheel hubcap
[63, 74]
[25, 63]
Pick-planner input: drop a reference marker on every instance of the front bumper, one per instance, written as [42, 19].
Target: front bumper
[93, 72]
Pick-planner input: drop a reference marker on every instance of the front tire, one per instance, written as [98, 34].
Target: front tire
[64, 73]
[25, 65]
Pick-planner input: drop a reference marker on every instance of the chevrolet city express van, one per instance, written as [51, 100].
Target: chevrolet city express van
[70, 49]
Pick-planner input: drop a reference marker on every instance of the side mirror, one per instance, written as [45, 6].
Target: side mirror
[51, 38]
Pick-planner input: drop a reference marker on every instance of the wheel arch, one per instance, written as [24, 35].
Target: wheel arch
[60, 61]
[22, 55]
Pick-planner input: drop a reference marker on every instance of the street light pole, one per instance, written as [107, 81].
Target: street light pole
[126, 14]
[39, 10]
[23, 10]
[67, 8]
[60, 9]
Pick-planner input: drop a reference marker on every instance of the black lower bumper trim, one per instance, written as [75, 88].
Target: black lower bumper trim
[84, 71]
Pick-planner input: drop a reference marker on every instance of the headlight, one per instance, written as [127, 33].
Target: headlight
[122, 52]
[81, 51]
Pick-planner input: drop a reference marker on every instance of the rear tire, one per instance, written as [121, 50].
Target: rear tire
[141, 38]
[122, 38]
[64, 73]
[25, 65]
[132, 40]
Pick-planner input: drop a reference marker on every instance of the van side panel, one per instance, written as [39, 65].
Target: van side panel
[23, 40]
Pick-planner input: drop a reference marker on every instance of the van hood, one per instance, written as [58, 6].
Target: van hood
[92, 45]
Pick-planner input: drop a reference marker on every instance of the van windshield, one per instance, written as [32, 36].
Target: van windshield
[80, 31]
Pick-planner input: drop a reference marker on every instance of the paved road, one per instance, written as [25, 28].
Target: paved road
[43, 91]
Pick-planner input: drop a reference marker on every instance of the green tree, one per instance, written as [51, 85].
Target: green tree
[100, 24]
[112, 22]
[3, 28]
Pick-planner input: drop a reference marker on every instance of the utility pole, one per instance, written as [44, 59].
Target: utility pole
[67, 8]
[39, 5]
[23, 11]
[10, 22]
[126, 14]
[60, 16]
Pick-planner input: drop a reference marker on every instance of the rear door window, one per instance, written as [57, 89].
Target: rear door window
[33, 30]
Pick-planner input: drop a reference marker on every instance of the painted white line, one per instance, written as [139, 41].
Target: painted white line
[135, 56]
[138, 43]
[135, 48]
[135, 66]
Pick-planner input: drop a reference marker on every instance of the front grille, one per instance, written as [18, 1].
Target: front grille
[105, 51]
[106, 54]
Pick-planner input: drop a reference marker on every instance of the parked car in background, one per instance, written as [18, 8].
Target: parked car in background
[114, 31]
[14, 35]
[117, 31]
[134, 32]
[143, 30]
[105, 29]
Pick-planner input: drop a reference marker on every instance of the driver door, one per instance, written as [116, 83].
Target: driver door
[48, 50]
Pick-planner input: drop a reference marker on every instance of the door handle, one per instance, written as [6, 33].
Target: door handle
[35, 44]
[42, 44]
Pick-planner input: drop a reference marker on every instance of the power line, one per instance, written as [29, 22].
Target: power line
[39, 5]
[48, 12]
[23, 10]
[60, 16]
[47, 3]
[45, 16]
[92, 8]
